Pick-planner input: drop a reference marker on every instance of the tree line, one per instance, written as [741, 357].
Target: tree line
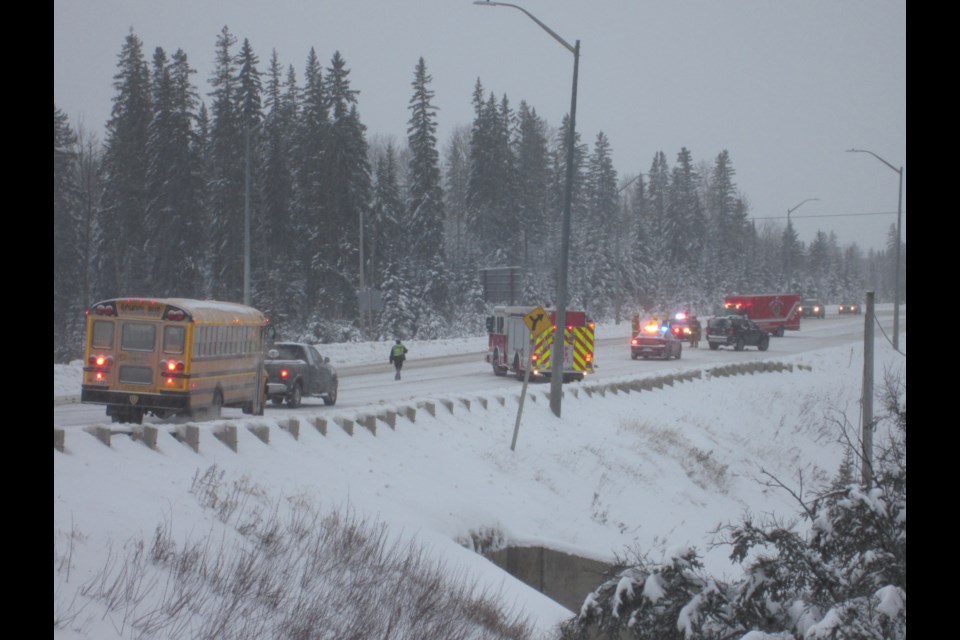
[357, 237]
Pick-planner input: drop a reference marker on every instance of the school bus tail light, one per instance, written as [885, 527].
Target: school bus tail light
[101, 361]
[172, 366]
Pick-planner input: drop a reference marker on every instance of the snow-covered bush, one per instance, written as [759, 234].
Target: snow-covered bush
[843, 577]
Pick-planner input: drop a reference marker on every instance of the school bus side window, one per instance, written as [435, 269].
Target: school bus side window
[138, 336]
[173, 339]
[102, 334]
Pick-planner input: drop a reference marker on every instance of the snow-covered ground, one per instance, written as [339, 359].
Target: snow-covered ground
[651, 470]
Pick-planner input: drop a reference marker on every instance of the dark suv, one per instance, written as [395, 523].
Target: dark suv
[737, 332]
[812, 309]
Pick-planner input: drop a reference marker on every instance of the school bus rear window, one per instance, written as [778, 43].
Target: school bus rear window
[173, 339]
[138, 336]
[102, 334]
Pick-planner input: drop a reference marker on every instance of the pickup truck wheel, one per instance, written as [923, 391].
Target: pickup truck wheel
[714, 346]
[296, 394]
[764, 343]
[331, 397]
[679, 351]
[740, 344]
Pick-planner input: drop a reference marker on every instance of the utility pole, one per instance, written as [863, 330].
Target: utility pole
[866, 473]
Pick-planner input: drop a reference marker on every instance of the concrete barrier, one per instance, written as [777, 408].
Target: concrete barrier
[59, 440]
[227, 434]
[429, 406]
[466, 403]
[147, 435]
[369, 422]
[345, 424]
[190, 435]
[410, 413]
[262, 431]
[102, 434]
[320, 424]
[448, 404]
[292, 426]
[563, 577]
[390, 418]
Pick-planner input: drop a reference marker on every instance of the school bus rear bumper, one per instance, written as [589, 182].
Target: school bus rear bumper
[148, 401]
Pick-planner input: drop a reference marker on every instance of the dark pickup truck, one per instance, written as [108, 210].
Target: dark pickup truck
[737, 332]
[295, 371]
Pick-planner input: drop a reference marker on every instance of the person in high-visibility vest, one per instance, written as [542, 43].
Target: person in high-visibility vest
[398, 354]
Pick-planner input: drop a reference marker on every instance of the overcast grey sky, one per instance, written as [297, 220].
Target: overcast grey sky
[786, 86]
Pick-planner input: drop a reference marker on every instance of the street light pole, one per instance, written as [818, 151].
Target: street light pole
[246, 219]
[896, 278]
[556, 370]
[790, 249]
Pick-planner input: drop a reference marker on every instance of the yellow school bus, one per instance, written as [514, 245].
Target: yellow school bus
[166, 356]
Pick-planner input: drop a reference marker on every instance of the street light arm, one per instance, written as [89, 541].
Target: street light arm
[896, 170]
[896, 286]
[789, 211]
[638, 176]
[486, 3]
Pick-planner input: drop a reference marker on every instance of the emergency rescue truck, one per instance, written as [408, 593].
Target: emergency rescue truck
[773, 312]
[512, 347]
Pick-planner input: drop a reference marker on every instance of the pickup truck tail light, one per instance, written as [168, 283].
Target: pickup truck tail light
[284, 373]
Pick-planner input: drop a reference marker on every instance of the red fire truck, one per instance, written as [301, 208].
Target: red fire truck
[773, 312]
[513, 348]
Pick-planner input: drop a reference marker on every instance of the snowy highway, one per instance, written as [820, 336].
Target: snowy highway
[369, 385]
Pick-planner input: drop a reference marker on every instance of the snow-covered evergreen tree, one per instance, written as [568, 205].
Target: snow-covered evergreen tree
[122, 269]
[174, 247]
[278, 280]
[226, 167]
[68, 267]
[425, 213]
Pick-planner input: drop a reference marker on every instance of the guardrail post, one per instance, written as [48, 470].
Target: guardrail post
[262, 431]
[100, 433]
[369, 422]
[147, 435]
[227, 434]
[390, 417]
[292, 427]
[345, 424]
[321, 425]
[190, 435]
